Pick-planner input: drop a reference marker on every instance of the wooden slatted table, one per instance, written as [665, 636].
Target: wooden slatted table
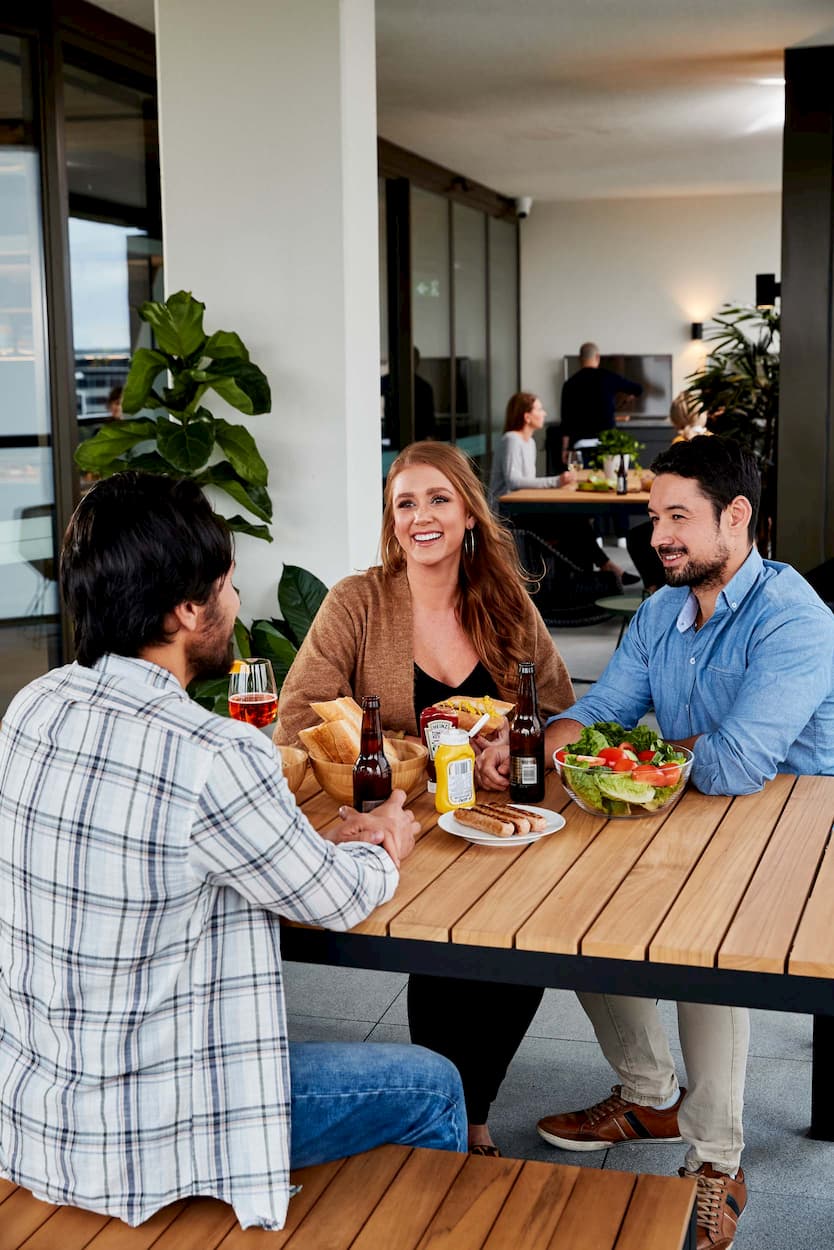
[720, 901]
[396, 1198]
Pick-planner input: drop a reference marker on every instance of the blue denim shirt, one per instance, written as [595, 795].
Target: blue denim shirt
[756, 682]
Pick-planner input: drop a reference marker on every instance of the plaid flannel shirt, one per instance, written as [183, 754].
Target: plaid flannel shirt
[146, 849]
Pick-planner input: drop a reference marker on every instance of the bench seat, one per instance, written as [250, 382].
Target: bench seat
[397, 1198]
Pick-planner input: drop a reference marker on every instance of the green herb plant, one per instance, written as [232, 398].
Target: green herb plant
[617, 442]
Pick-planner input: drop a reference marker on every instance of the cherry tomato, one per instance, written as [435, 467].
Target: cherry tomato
[626, 746]
[624, 765]
[560, 755]
[612, 754]
[645, 756]
[649, 776]
[671, 773]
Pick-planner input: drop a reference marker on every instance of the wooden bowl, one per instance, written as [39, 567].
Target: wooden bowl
[294, 762]
[337, 779]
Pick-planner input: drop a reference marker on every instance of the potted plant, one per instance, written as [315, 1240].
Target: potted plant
[179, 437]
[737, 390]
[613, 444]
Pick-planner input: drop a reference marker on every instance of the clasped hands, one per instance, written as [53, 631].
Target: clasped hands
[390, 826]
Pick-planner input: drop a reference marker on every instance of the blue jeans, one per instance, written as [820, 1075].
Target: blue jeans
[351, 1096]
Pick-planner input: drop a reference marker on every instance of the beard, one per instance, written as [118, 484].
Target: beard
[210, 652]
[697, 573]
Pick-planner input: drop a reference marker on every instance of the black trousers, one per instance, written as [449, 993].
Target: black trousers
[478, 1025]
[646, 560]
[573, 536]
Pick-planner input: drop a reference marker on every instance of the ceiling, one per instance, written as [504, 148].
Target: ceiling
[576, 99]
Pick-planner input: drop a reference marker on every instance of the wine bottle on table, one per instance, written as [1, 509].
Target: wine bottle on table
[371, 772]
[622, 477]
[526, 740]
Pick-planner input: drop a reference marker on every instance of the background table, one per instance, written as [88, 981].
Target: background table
[567, 500]
[720, 901]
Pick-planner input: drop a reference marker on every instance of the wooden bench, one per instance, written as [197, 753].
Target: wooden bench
[397, 1198]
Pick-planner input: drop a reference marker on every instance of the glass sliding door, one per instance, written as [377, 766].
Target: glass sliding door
[431, 314]
[503, 320]
[114, 228]
[469, 277]
[29, 628]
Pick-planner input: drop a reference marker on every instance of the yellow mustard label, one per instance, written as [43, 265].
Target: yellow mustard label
[455, 768]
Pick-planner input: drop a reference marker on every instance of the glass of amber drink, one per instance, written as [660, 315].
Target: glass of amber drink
[253, 697]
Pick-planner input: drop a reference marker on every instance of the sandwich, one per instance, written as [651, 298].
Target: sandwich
[470, 710]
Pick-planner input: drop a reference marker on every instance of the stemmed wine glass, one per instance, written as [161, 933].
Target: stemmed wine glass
[574, 464]
[253, 696]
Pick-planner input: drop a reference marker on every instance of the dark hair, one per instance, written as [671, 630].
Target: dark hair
[518, 406]
[137, 545]
[722, 468]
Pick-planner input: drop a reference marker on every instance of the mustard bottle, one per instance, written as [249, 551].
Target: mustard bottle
[454, 764]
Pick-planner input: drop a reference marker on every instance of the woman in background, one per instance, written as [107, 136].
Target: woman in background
[514, 468]
[446, 613]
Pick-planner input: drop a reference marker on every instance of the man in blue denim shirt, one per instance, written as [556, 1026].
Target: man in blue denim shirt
[736, 655]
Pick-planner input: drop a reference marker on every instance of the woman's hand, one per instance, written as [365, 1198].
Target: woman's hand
[390, 826]
[567, 478]
[500, 736]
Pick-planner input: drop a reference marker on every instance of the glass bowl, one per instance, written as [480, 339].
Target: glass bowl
[601, 792]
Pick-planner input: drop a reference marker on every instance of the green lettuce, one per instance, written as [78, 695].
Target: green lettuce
[590, 742]
[584, 784]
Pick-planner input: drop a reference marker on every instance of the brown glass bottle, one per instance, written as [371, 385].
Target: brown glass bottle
[371, 772]
[526, 740]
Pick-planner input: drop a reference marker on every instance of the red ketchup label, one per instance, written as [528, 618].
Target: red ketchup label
[434, 721]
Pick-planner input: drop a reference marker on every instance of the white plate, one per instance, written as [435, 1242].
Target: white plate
[554, 822]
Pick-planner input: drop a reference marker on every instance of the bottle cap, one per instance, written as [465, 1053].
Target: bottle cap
[453, 738]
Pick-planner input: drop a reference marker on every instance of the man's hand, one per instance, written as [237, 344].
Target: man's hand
[388, 825]
[492, 767]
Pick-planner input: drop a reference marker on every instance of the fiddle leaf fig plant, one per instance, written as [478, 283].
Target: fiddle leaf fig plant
[181, 437]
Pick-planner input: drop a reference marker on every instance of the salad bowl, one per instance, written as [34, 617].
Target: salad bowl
[623, 779]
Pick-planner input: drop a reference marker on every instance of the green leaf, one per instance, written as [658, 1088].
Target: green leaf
[211, 693]
[239, 382]
[255, 498]
[224, 344]
[267, 642]
[186, 447]
[300, 594]
[177, 324]
[240, 447]
[145, 368]
[112, 441]
[242, 642]
[241, 526]
[150, 462]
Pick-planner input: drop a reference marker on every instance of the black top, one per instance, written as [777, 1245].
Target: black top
[588, 401]
[428, 690]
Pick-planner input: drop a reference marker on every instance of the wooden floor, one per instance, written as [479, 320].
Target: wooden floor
[396, 1198]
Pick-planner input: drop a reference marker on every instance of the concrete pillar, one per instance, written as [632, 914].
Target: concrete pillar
[269, 204]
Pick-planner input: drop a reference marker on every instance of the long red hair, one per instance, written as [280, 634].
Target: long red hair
[493, 597]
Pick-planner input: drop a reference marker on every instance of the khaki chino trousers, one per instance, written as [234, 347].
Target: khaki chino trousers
[714, 1041]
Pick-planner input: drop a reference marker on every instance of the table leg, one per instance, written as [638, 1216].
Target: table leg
[822, 1080]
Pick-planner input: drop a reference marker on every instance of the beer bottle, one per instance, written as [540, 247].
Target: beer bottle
[526, 740]
[622, 477]
[371, 772]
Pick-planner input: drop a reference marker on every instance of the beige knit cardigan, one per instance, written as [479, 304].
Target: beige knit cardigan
[361, 642]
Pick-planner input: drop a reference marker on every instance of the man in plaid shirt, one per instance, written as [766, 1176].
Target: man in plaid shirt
[147, 848]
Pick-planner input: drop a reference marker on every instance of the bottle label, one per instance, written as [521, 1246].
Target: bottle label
[460, 782]
[524, 770]
[434, 728]
[368, 805]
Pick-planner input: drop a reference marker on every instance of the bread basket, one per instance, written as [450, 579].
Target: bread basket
[406, 772]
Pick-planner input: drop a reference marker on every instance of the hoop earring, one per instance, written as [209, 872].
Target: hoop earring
[469, 544]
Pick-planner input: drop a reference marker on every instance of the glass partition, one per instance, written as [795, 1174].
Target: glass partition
[503, 320]
[469, 272]
[29, 629]
[431, 315]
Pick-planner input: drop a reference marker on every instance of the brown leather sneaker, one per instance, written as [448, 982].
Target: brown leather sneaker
[611, 1122]
[721, 1201]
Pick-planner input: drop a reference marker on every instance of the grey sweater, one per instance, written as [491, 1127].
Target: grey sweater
[514, 468]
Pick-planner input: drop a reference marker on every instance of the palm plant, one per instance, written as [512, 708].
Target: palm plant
[737, 390]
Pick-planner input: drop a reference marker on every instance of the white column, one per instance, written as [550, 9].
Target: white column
[268, 147]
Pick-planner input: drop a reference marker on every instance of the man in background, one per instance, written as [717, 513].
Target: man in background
[588, 399]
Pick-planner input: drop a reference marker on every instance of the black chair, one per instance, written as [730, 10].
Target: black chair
[564, 593]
